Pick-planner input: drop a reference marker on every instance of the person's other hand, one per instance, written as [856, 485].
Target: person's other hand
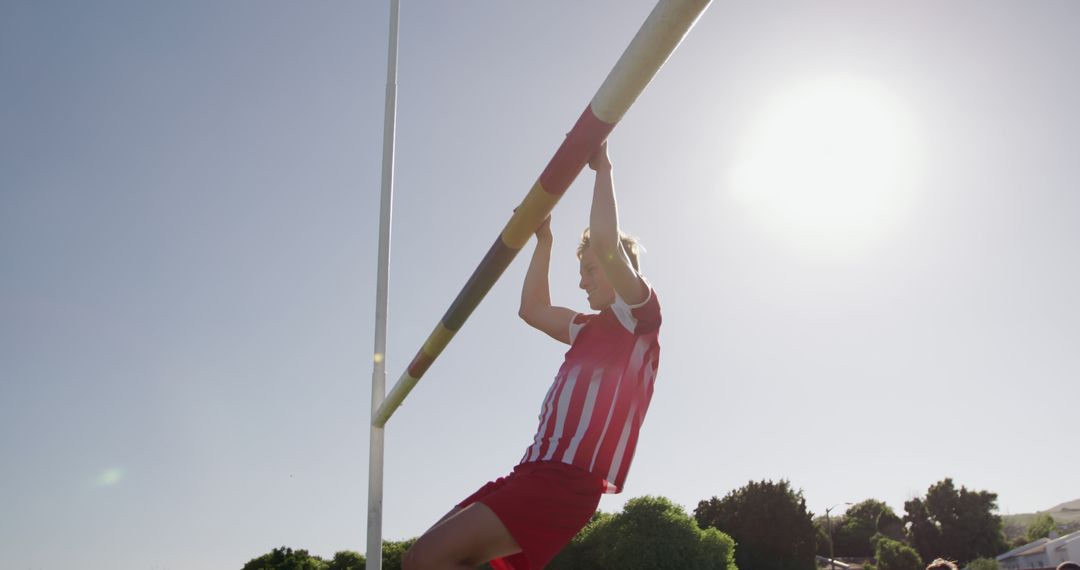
[600, 160]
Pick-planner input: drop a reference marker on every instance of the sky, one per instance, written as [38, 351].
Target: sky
[860, 219]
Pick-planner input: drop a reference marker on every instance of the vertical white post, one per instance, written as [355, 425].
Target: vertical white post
[378, 375]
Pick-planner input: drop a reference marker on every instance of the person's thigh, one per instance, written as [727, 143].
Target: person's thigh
[469, 536]
[444, 518]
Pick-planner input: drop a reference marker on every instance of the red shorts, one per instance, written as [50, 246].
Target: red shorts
[543, 505]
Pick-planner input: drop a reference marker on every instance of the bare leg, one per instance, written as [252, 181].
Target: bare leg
[448, 515]
[463, 539]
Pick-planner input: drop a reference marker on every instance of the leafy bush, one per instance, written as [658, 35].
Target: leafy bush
[393, 552]
[651, 533]
[347, 560]
[286, 559]
[984, 564]
[895, 555]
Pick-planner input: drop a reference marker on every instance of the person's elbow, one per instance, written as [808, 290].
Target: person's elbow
[526, 313]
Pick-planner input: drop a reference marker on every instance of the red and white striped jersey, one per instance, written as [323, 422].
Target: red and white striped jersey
[593, 411]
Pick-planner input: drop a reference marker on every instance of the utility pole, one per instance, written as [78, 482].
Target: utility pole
[828, 523]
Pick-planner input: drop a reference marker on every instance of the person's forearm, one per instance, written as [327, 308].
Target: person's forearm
[535, 291]
[604, 216]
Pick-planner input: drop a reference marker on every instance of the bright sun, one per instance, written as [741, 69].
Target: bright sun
[830, 165]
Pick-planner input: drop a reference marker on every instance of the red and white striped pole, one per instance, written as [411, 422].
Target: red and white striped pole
[657, 39]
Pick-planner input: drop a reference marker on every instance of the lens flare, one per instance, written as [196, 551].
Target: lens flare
[110, 477]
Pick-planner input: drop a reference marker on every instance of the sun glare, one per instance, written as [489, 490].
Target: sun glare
[830, 165]
[110, 477]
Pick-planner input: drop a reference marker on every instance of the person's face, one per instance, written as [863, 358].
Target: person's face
[594, 282]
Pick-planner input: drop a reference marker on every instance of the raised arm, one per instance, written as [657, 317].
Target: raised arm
[536, 306]
[604, 234]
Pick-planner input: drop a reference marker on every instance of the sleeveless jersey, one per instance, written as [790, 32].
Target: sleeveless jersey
[593, 411]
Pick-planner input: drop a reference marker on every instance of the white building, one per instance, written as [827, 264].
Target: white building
[1064, 549]
[1043, 553]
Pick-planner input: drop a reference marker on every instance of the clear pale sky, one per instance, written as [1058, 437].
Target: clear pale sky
[188, 228]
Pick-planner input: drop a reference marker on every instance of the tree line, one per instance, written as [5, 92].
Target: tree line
[763, 525]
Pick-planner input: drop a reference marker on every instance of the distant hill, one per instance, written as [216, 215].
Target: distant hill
[1067, 511]
[1067, 516]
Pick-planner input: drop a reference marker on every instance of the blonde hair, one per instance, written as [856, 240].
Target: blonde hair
[942, 564]
[630, 245]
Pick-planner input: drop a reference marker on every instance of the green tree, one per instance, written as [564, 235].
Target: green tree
[983, 564]
[1041, 527]
[651, 533]
[585, 549]
[393, 552]
[895, 555]
[346, 560]
[286, 559]
[955, 524]
[890, 525]
[821, 527]
[716, 551]
[852, 531]
[924, 534]
[768, 521]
